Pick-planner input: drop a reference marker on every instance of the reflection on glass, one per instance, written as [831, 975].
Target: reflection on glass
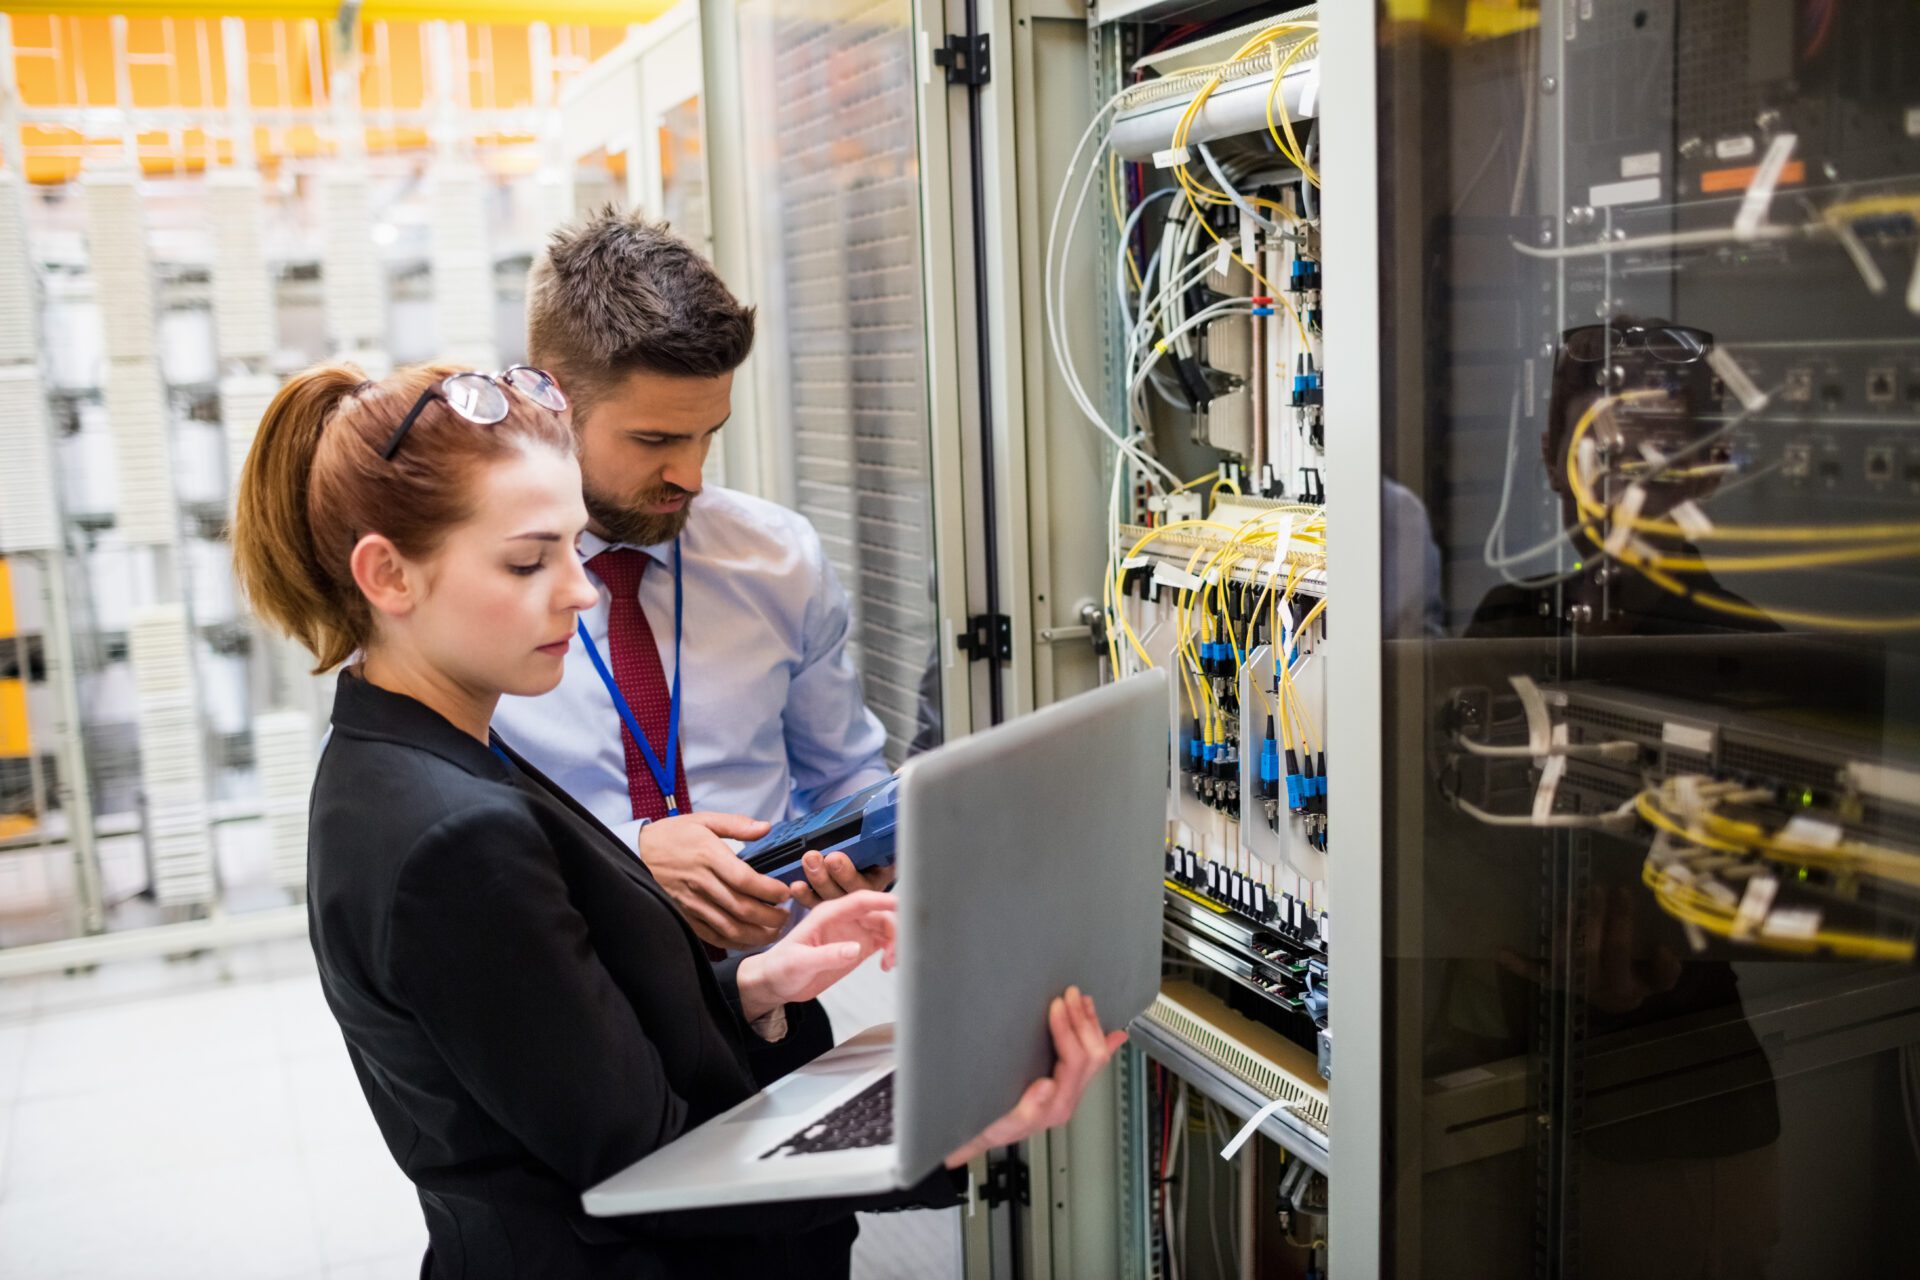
[835, 217]
[683, 174]
[1652, 428]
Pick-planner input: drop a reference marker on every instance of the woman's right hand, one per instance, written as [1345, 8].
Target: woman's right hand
[1080, 1049]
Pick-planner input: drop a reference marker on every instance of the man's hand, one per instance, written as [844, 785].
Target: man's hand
[822, 949]
[726, 901]
[833, 877]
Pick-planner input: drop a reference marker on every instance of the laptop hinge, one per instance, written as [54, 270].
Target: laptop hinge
[1006, 1179]
[987, 636]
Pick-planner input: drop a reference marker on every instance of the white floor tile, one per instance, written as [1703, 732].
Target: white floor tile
[19, 998]
[365, 1208]
[244, 1219]
[402, 1266]
[13, 1058]
[86, 1049]
[328, 1108]
[303, 1025]
[153, 1128]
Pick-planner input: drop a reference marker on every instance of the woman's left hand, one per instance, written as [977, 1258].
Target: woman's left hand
[833, 940]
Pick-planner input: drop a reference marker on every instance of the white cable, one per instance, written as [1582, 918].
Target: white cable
[1060, 252]
[1233, 192]
[1120, 259]
[1616, 750]
[1612, 820]
[1214, 312]
[1252, 1126]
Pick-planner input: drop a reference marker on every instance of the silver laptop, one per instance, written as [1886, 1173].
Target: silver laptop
[1030, 859]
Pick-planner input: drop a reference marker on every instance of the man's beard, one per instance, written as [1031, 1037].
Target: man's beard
[629, 524]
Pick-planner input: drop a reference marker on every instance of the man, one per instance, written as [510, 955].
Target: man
[749, 641]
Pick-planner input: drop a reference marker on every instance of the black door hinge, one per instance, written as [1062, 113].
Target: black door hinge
[967, 59]
[987, 636]
[1007, 1180]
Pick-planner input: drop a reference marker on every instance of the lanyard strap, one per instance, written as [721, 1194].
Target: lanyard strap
[663, 774]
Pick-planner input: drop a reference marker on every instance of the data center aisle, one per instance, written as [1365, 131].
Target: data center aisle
[191, 1118]
[199, 1118]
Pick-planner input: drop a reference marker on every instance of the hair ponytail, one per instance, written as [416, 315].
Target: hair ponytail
[279, 565]
[314, 483]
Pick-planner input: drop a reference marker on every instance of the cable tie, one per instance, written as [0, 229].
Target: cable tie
[1754, 905]
[1693, 522]
[1758, 201]
[1624, 513]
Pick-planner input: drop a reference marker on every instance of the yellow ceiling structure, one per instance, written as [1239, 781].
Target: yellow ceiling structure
[610, 13]
[85, 78]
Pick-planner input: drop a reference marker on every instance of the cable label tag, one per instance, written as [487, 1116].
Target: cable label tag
[1171, 158]
[1167, 575]
[1814, 833]
[1223, 261]
[1248, 253]
[1754, 905]
[1693, 522]
[1751, 398]
[1539, 721]
[1549, 784]
[1792, 922]
[1252, 1126]
[1759, 198]
[1625, 512]
[1310, 91]
[1135, 562]
[1587, 459]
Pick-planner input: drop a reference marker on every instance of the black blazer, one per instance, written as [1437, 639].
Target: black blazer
[528, 1013]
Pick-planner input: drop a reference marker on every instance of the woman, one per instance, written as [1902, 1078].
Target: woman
[526, 1010]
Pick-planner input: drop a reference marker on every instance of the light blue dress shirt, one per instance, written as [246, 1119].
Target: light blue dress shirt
[772, 720]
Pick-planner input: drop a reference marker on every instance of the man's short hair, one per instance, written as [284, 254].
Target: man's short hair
[618, 294]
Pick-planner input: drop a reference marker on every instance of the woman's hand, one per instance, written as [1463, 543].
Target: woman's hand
[819, 951]
[1080, 1049]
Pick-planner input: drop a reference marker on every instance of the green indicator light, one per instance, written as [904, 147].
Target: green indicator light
[1803, 873]
[1806, 798]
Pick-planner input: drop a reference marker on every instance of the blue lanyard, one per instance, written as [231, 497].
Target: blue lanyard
[662, 773]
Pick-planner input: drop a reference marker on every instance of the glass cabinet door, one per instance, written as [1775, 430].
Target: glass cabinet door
[1650, 754]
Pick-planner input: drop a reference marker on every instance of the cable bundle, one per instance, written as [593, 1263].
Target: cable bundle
[28, 519]
[117, 255]
[138, 416]
[352, 278]
[172, 769]
[243, 316]
[283, 752]
[1616, 528]
[463, 296]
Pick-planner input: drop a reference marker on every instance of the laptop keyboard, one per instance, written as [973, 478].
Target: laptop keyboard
[864, 1120]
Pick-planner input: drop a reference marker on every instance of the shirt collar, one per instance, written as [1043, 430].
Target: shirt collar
[591, 545]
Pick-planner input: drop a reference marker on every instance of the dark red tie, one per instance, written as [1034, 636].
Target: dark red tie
[643, 682]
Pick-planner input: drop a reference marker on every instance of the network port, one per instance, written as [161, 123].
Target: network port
[1799, 386]
[1880, 464]
[1796, 461]
[1880, 386]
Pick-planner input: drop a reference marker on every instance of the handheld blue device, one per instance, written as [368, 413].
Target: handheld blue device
[860, 825]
